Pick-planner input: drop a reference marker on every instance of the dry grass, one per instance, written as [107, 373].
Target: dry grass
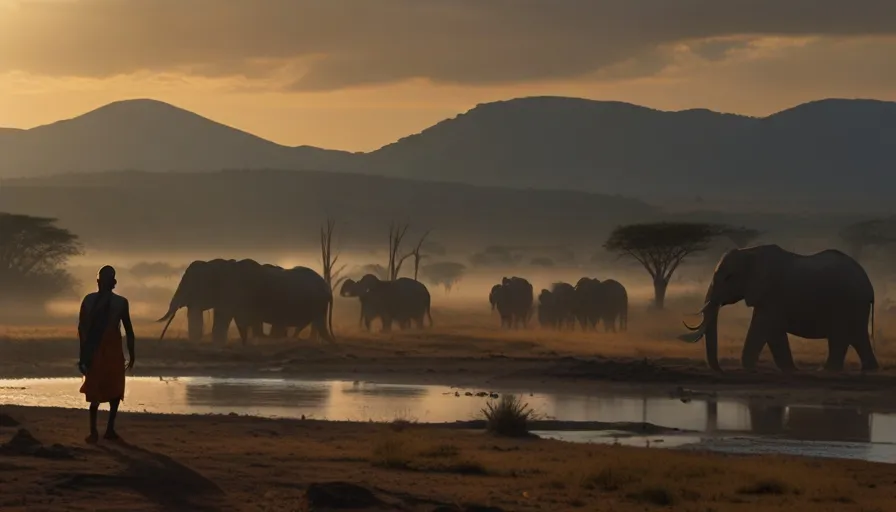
[266, 464]
[466, 331]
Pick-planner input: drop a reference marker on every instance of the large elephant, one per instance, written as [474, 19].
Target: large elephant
[403, 300]
[613, 305]
[513, 299]
[250, 294]
[823, 295]
[588, 302]
[557, 306]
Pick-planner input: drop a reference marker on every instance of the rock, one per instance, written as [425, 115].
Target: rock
[340, 496]
[24, 443]
[8, 421]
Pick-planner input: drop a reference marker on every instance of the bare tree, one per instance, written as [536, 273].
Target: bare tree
[661, 247]
[417, 254]
[328, 260]
[396, 234]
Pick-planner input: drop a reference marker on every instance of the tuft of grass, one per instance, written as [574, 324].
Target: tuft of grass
[768, 486]
[392, 453]
[659, 496]
[609, 479]
[509, 418]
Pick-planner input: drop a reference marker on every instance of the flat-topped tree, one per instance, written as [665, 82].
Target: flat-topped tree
[33, 254]
[661, 247]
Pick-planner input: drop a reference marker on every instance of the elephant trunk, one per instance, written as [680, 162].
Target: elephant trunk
[172, 312]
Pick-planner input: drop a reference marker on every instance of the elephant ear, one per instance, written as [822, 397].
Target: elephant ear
[760, 277]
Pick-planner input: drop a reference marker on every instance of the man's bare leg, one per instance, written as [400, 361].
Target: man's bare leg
[94, 435]
[110, 425]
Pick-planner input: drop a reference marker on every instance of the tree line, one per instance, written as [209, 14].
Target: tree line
[34, 252]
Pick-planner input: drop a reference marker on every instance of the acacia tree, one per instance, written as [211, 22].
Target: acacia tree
[661, 247]
[33, 253]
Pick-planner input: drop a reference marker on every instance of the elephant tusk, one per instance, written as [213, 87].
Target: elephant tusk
[692, 328]
[692, 337]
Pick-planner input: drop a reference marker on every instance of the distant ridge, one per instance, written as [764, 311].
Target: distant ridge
[832, 154]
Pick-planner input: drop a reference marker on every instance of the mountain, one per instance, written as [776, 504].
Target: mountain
[829, 155]
[148, 135]
[820, 155]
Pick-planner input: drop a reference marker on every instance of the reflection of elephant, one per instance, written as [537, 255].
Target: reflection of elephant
[588, 302]
[824, 295]
[250, 294]
[557, 306]
[403, 300]
[613, 305]
[513, 300]
[809, 423]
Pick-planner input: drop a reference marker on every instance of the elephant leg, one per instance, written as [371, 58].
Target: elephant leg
[220, 326]
[244, 331]
[278, 331]
[862, 344]
[194, 323]
[838, 345]
[779, 345]
[761, 327]
[387, 323]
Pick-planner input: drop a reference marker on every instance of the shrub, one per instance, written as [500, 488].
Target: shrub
[509, 418]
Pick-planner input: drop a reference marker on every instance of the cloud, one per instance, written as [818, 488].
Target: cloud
[321, 45]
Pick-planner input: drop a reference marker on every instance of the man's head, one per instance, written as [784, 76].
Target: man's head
[105, 279]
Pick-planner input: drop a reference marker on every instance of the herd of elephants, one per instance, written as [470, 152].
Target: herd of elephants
[826, 295]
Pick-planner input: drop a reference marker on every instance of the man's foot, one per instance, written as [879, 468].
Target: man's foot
[111, 436]
[92, 438]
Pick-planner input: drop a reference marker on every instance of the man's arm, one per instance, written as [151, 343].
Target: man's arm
[82, 321]
[128, 331]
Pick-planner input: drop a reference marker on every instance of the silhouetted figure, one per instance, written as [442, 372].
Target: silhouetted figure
[102, 359]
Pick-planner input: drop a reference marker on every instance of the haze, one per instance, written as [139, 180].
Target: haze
[357, 75]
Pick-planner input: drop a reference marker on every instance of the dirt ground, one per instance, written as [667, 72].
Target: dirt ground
[467, 348]
[233, 463]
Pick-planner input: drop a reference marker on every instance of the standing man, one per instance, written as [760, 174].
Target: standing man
[102, 359]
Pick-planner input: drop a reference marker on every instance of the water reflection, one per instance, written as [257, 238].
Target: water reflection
[360, 401]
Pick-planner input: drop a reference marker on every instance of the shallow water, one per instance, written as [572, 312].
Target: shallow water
[720, 425]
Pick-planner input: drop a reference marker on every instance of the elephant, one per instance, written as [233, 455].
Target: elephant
[613, 305]
[403, 300]
[825, 295]
[588, 302]
[513, 299]
[557, 306]
[250, 294]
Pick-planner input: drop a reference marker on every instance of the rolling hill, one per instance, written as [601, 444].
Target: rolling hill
[828, 155]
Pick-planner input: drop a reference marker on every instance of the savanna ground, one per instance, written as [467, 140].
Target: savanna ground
[241, 463]
[252, 464]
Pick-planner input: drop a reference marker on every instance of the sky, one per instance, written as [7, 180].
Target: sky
[358, 74]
